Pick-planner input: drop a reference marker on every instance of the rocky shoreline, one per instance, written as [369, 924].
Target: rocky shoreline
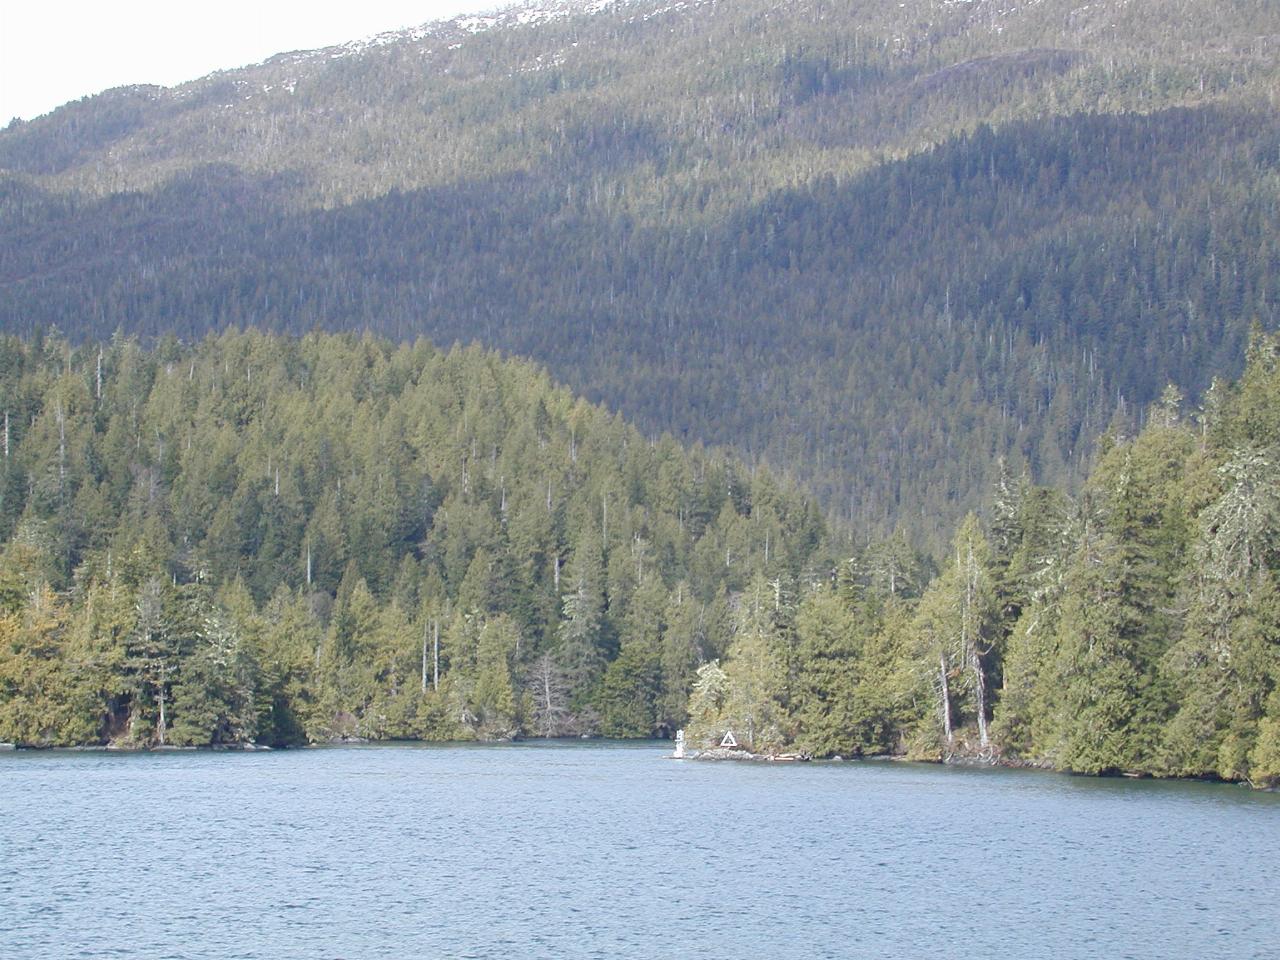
[955, 760]
[726, 753]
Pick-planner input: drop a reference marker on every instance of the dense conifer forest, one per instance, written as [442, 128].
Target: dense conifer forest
[1133, 628]
[282, 540]
[878, 245]
[272, 540]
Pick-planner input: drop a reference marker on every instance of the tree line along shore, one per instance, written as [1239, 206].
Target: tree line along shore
[263, 540]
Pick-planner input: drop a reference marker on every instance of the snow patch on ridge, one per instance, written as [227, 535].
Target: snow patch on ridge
[451, 35]
[517, 15]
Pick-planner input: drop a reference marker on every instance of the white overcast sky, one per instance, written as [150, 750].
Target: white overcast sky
[53, 51]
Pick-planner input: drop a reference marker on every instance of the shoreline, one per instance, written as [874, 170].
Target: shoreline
[710, 755]
[719, 755]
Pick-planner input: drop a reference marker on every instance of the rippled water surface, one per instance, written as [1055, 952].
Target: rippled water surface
[597, 850]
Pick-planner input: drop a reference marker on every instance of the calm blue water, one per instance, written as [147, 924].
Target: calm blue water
[590, 850]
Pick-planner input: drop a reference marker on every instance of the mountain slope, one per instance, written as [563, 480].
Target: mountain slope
[879, 244]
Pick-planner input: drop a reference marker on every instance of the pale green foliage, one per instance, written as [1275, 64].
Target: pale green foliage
[1264, 759]
[707, 703]
[494, 699]
[955, 624]
[1240, 532]
[757, 672]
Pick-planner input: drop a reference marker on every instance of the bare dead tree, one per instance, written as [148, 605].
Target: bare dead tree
[548, 690]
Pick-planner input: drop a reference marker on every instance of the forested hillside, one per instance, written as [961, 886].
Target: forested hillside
[1133, 629]
[281, 540]
[879, 245]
